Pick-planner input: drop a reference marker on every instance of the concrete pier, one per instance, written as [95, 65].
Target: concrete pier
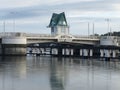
[75, 50]
[108, 53]
[14, 45]
[17, 44]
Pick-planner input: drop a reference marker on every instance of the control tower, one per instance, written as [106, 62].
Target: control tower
[58, 24]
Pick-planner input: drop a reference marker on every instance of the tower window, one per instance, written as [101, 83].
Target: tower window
[63, 29]
[52, 29]
[64, 23]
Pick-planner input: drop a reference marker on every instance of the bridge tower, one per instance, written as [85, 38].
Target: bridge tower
[58, 24]
[14, 44]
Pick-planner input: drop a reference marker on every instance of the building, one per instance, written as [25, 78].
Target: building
[58, 24]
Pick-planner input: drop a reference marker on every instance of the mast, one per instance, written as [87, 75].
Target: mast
[4, 27]
[93, 28]
[88, 29]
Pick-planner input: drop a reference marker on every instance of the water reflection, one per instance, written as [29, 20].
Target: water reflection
[11, 69]
[57, 74]
[52, 73]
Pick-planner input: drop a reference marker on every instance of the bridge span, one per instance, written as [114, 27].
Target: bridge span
[32, 38]
[60, 42]
[17, 43]
[41, 38]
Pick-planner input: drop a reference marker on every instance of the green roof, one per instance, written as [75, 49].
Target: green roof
[58, 20]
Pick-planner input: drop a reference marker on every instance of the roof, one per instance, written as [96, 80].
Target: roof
[58, 20]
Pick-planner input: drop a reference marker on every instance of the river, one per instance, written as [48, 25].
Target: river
[53, 73]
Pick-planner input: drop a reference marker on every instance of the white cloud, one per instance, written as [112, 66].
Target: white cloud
[17, 3]
[68, 1]
[116, 6]
[26, 3]
[34, 15]
[93, 14]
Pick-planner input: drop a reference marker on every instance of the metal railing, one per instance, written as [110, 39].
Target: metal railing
[12, 34]
[86, 37]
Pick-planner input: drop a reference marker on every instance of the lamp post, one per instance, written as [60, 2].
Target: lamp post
[4, 27]
[88, 23]
[13, 13]
[108, 22]
[93, 28]
[88, 29]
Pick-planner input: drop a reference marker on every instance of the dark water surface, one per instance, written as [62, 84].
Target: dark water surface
[52, 73]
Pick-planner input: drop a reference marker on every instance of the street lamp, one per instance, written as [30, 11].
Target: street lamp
[88, 22]
[4, 27]
[88, 29]
[93, 28]
[108, 22]
[93, 25]
[13, 13]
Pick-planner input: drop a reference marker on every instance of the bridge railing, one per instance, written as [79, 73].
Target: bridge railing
[12, 34]
[37, 35]
[86, 37]
[45, 36]
[20, 34]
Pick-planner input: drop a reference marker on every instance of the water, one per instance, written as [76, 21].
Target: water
[52, 73]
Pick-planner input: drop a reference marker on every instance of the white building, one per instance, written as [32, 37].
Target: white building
[58, 24]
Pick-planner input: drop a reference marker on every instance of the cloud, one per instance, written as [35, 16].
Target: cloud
[73, 7]
[25, 3]
[15, 3]
[116, 6]
[35, 14]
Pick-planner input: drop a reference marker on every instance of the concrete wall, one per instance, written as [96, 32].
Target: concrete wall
[13, 45]
[58, 30]
[13, 49]
[14, 40]
[108, 40]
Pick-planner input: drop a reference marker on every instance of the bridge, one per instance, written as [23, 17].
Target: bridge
[44, 38]
[15, 43]
[33, 38]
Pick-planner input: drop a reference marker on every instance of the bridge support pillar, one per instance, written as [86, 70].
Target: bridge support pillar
[71, 52]
[62, 51]
[114, 53]
[96, 53]
[14, 46]
[85, 52]
[54, 51]
[91, 52]
[81, 52]
[102, 54]
[59, 51]
[67, 52]
[108, 53]
[76, 52]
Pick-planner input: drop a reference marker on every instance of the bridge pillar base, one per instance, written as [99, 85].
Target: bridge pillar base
[59, 51]
[13, 45]
[14, 50]
[76, 52]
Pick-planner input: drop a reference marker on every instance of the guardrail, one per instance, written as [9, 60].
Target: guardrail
[12, 34]
[39, 35]
[87, 37]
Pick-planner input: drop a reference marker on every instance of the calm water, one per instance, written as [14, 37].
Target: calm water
[50, 73]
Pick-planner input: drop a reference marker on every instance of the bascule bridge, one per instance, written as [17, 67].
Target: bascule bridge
[60, 42]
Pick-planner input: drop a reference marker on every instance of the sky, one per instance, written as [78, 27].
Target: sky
[33, 16]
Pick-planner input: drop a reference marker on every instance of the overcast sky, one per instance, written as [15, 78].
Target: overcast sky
[34, 15]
